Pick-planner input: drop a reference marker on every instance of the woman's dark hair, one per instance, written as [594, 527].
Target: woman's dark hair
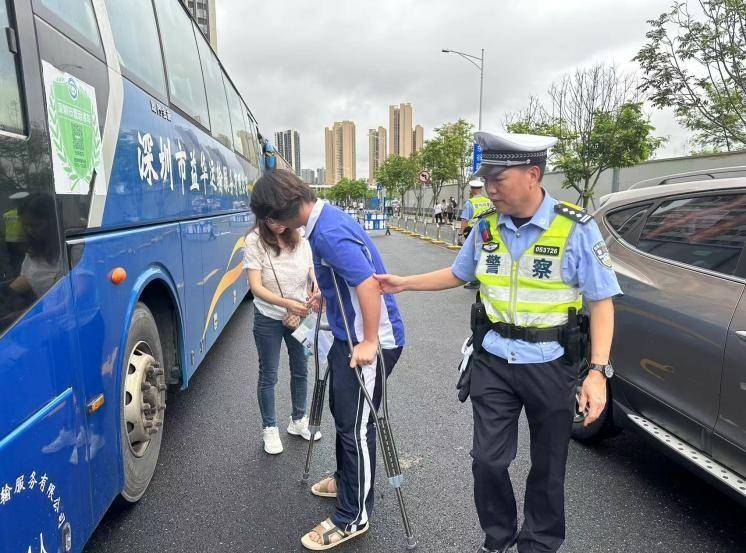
[290, 237]
[278, 195]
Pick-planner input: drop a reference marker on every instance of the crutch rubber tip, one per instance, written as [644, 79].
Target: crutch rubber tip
[304, 478]
[411, 543]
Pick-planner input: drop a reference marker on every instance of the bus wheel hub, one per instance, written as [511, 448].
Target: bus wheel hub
[144, 398]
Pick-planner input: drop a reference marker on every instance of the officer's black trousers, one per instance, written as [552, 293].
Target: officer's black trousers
[498, 392]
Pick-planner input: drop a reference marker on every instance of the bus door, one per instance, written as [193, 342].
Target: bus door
[45, 493]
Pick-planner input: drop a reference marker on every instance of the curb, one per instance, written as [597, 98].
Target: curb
[424, 238]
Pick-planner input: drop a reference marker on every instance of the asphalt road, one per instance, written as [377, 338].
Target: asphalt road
[215, 489]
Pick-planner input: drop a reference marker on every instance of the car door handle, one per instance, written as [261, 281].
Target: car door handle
[741, 334]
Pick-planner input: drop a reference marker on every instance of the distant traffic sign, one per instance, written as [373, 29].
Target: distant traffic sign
[424, 177]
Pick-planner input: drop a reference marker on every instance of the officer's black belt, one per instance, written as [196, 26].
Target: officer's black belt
[529, 334]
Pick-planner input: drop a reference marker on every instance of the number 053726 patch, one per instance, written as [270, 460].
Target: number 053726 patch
[546, 250]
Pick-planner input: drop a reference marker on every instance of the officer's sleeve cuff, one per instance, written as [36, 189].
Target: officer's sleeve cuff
[461, 275]
[601, 297]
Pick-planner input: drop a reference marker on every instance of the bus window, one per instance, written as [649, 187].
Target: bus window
[12, 117]
[30, 262]
[136, 37]
[76, 14]
[237, 120]
[184, 73]
[220, 120]
[250, 137]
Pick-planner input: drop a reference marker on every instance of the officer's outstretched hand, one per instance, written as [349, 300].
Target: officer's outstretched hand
[592, 400]
[390, 284]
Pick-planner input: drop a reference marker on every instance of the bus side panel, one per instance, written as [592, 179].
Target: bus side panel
[226, 284]
[167, 168]
[44, 478]
[103, 310]
[193, 235]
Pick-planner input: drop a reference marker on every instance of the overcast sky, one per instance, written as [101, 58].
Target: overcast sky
[304, 65]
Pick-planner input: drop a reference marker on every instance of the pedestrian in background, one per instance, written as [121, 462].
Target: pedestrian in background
[280, 267]
[438, 213]
[450, 210]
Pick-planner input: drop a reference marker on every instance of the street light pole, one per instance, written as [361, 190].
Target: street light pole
[470, 58]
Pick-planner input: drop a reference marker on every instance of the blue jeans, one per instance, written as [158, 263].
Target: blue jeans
[268, 335]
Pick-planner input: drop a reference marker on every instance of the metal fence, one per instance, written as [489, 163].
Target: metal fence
[424, 229]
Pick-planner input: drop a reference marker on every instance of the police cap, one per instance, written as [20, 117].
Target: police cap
[501, 151]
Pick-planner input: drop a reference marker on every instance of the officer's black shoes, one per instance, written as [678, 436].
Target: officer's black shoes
[472, 285]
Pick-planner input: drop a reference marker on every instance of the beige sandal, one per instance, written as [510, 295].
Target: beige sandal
[321, 488]
[327, 530]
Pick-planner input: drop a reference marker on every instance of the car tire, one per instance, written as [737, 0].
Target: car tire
[602, 428]
[142, 403]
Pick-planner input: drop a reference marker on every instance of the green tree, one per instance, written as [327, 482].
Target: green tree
[458, 138]
[398, 175]
[696, 66]
[348, 190]
[597, 116]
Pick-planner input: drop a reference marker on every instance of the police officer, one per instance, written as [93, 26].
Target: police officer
[536, 260]
[473, 208]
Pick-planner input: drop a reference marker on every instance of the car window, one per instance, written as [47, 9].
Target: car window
[625, 221]
[78, 14]
[12, 117]
[136, 38]
[706, 231]
[185, 81]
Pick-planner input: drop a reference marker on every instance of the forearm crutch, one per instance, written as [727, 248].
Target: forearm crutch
[319, 389]
[385, 435]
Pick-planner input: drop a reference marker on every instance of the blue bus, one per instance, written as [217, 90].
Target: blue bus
[127, 157]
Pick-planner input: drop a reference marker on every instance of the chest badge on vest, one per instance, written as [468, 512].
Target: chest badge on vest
[490, 247]
[546, 250]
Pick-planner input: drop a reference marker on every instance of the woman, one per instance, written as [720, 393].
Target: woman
[280, 267]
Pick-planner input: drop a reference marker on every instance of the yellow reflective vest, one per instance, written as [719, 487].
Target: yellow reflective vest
[13, 227]
[480, 204]
[528, 291]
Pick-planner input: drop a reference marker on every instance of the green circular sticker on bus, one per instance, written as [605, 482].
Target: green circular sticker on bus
[73, 131]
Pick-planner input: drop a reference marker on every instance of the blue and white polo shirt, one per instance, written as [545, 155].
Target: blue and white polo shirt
[338, 241]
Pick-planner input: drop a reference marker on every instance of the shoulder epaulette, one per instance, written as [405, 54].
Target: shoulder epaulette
[487, 213]
[574, 212]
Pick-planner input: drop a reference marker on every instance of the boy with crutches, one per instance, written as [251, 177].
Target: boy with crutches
[342, 250]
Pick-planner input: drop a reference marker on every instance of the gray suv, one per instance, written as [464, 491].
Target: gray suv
[680, 340]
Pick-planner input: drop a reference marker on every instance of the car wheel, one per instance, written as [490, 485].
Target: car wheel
[143, 403]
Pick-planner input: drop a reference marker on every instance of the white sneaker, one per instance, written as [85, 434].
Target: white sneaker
[300, 428]
[272, 442]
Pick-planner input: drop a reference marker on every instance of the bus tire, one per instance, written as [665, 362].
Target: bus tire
[143, 403]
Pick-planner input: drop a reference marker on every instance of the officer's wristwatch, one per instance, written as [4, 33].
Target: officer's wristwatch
[606, 370]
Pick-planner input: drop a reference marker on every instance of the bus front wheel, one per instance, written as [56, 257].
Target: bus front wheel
[143, 403]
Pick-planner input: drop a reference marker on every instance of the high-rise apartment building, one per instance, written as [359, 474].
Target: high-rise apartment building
[376, 152]
[320, 176]
[339, 143]
[418, 138]
[288, 144]
[400, 130]
[308, 176]
[203, 12]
